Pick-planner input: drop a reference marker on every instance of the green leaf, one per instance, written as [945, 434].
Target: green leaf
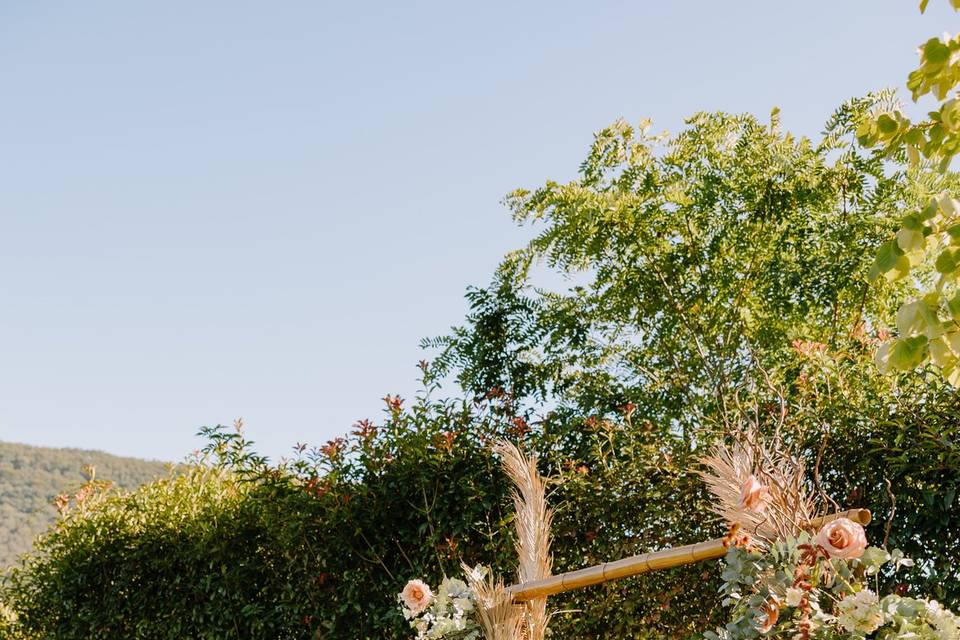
[952, 375]
[947, 205]
[930, 211]
[913, 222]
[882, 357]
[908, 353]
[887, 124]
[952, 339]
[910, 240]
[914, 136]
[946, 262]
[953, 307]
[941, 354]
[913, 155]
[900, 270]
[934, 51]
[954, 233]
[913, 318]
[887, 259]
[944, 164]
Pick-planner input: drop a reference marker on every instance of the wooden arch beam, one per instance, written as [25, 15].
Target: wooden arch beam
[645, 563]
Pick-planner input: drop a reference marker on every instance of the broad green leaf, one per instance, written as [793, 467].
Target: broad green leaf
[910, 240]
[867, 134]
[953, 307]
[935, 52]
[913, 222]
[914, 136]
[882, 357]
[952, 375]
[887, 258]
[941, 354]
[946, 262]
[932, 299]
[908, 353]
[948, 205]
[900, 270]
[915, 318]
[915, 258]
[887, 124]
[913, 155]
[954, 233]
[953, 341]
[920, 317]
[930, 211]
[947, 112]
[937, 133]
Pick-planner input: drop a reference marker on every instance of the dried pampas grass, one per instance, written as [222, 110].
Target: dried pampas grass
[498, 616]
[786, 505]
[533, 521]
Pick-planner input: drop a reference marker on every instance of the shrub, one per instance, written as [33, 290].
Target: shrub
[232, 547]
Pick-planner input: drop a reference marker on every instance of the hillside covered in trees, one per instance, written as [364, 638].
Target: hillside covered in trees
[31, 477]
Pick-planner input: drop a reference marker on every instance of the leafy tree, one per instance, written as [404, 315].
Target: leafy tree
[694, 261]
[927, 244]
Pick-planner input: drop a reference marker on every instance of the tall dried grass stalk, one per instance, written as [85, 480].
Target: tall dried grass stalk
[789, 505]
[532, 521]
[499, 617]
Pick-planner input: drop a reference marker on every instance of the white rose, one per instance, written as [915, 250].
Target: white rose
[794, 596]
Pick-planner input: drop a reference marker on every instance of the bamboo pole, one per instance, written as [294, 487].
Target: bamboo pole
[646, 562]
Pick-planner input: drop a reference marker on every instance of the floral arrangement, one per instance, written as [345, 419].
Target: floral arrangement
[784, 577]
[481, 607]
[792, 570]
[448, 613]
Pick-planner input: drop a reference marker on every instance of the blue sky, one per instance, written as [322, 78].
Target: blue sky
[219, 209]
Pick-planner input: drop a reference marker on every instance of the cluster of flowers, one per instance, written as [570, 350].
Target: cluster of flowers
[449, 613]
[818, 587]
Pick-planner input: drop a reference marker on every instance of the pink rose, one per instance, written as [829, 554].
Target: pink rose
[842, 538]
[416, 596]
[753, 495]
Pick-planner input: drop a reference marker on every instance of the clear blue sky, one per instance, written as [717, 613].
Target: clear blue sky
[221, 209]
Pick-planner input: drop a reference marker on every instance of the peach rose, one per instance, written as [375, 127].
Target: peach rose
[416, 596]
[753, 495]
[842, 538]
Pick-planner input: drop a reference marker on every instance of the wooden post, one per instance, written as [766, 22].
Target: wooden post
[644, 563]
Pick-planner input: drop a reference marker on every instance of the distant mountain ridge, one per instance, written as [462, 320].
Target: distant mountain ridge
[31, 477]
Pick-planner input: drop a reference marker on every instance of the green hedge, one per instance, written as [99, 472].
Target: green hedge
[319, 547]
